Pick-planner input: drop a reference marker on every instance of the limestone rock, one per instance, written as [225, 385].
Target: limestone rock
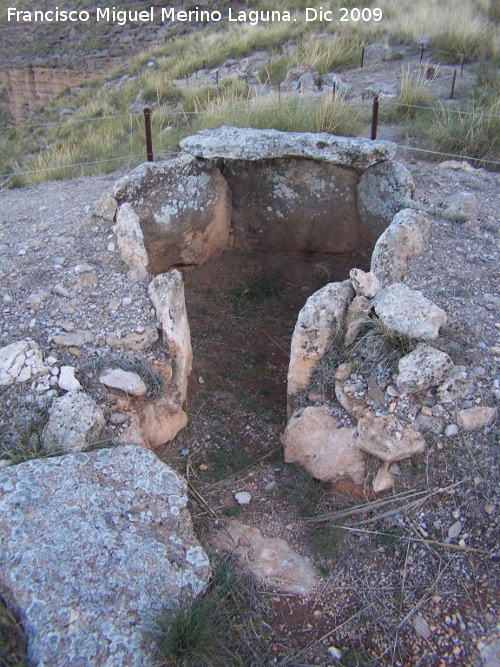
[67, 380]
[166, 292]
[75, 423]
[93, 543]
[130, 240]
[461, 207]
[383, 480]
[472, 418]
[293, 205]
[365, 284]
[134, 341]
[381, 437]
[106, 207]
[250, 144]
[73, 338]
[384, 189]
[346, 395]
[357, 314]
[323, 311]
[301, 79]
[20, 362]
[456, 384]
[343, 372]
[269, 559]
[125, 381]
[380, 89]
[183, 208]
[333, 78]
[329, 453]
[407, 311]
[408, 235]
[422, 368]
[425, 422]
[243, 497]
[160, 421]
[421, 626]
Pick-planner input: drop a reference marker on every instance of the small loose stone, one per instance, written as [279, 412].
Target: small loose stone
[455, 530]
[243, 497]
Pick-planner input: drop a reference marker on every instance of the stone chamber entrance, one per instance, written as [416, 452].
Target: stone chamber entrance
[256, 221]
[242, 309]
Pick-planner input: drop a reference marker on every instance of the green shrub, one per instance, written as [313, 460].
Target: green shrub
[157, 88]
[224, 626]
[305, 492]
[12, 639]
[471, 42]
[415, 93]
[474, 131]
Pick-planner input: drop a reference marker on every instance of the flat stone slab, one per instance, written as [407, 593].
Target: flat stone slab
[91, 544]
[249, 144]
[408, 311]
[312, 439]
[269, 559]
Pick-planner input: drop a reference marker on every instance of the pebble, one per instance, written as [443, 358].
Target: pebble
[451, 430]
[455, 530]
[479, 371]
[335, 652]
[111, 247]
[271, 486]
[67, 380]
[117, 419]
[7, 299]
[61, 291]
[489, 508]
[421, 626]
[243, 497]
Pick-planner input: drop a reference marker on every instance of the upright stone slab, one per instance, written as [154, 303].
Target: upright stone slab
[91, 544]
[166, 292]
[293, 205]
[323, 312]
[384, 189]
[408, 235]
[183, 206]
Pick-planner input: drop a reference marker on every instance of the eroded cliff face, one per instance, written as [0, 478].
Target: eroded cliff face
[24, 89]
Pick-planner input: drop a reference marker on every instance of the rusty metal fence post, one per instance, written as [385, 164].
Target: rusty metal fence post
[374, 118]
[149, 140]
[453, 84]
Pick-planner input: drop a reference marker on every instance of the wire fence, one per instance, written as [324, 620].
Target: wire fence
[142, 134]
